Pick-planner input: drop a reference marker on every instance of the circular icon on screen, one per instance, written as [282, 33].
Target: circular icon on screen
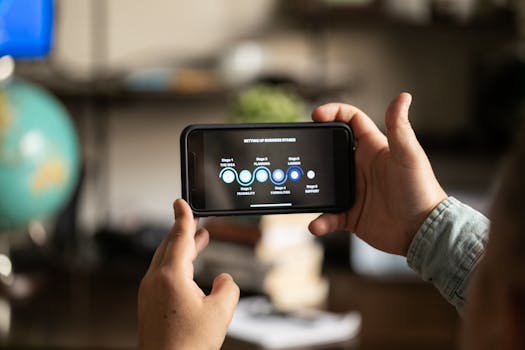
[228, 176]
[262, 174]
[295, 173]
[245, 176]
[278, 176]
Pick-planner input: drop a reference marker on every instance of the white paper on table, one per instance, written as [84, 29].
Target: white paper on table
[256, 321]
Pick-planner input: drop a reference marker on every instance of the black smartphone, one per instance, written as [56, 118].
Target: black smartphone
[274, 168]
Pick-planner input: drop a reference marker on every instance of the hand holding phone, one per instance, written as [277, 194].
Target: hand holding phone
[235, 169]
[396, 188]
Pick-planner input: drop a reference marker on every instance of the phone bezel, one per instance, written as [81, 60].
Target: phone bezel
[189, 170]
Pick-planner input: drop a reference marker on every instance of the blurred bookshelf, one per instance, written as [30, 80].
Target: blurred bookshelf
[423, 14]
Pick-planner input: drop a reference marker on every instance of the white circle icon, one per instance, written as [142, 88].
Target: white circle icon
[261, 175]
[245, 176]
[310, 174]
[228, 176]
[278, 175]
[294, 174]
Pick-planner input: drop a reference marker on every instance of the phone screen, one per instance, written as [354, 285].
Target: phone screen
[270, 169]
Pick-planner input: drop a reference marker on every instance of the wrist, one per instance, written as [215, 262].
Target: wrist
[420, 221]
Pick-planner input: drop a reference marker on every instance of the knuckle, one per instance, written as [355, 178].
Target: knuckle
[223, 307]
[164, 278]
[177, 235]
[234, 287]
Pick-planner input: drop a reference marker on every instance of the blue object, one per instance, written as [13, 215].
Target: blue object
[295, 173]
[39, 155]
[26, 28]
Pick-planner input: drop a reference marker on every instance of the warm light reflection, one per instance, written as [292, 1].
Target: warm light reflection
[5, 266]
[5, 318]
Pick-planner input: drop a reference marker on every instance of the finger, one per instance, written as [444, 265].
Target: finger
[184, 222]
[402, 140]
[180, 245]
[327, 223]
[224, 294]
[202, 238]
[360, 123]
[161, 249]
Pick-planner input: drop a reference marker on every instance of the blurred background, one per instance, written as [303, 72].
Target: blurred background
[95, 94]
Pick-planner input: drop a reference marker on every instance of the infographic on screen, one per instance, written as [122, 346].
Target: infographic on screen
[269, 168]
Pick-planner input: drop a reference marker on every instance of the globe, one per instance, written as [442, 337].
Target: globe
[39, 162]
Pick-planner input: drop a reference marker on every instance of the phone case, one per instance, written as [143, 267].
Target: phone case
[185, 188]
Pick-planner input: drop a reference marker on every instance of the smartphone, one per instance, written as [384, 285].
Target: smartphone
[274, 168]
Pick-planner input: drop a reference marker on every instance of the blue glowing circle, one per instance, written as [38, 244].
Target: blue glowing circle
[294, 175]
[245, 176]
[278, 175]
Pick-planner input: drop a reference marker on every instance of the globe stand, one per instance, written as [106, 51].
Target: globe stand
[6, 280]
[12, 285]
[6, 266]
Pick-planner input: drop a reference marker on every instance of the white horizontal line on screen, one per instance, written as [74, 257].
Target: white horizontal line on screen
[271, 205]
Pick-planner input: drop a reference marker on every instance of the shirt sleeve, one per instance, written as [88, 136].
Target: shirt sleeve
[447, 248]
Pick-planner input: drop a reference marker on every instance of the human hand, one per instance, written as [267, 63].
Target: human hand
[173, 312]
[395, 186]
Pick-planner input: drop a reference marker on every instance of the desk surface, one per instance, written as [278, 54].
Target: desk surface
[97, 310]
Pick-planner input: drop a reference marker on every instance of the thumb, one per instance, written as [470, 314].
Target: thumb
[402, 140]
[224, 294]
